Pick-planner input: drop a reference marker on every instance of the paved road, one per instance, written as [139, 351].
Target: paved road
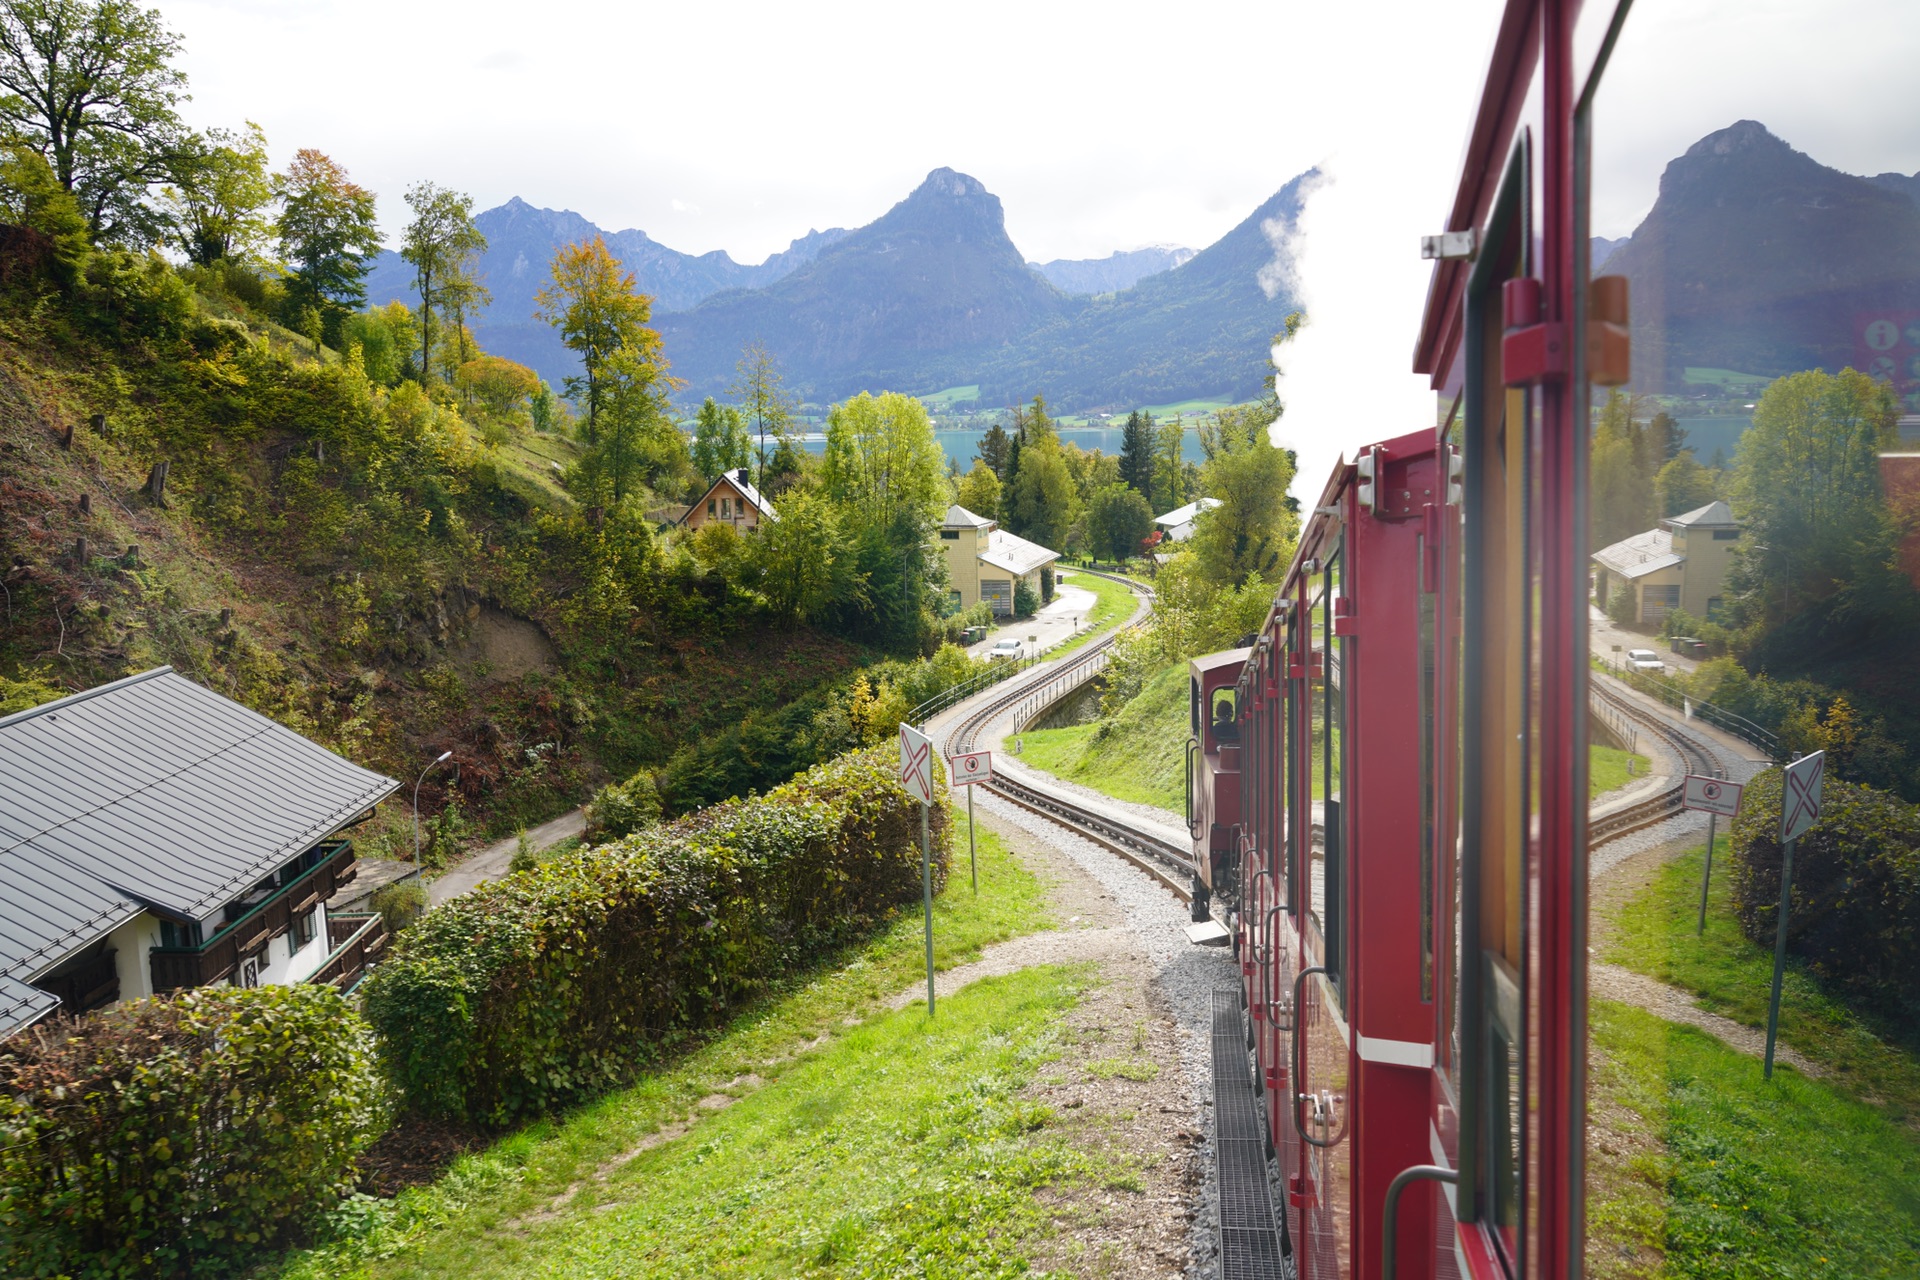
[1063, 618]
[491, 862]
[1603, 635]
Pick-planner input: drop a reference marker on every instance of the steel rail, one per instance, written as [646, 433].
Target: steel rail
[1671, 801]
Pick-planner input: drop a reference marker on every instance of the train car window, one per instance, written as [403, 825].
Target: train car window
[1193, 705]
[1429, 784]
[1298, 813]
[1332, 795]
[1224, 711]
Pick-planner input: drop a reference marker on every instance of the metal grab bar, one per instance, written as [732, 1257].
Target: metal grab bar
[1266, 980]
[1390, 1230]
[1299, 1074]
[1192, 829]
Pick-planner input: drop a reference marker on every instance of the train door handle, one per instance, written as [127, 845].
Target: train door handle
[1322, 1100]
[1193, 828]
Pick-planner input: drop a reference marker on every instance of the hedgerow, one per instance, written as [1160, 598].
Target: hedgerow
[1855, 914]
[180, 1136]
[556, 983]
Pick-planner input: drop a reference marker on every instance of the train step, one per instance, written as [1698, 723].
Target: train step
[1250, 1244]
[1209, 933]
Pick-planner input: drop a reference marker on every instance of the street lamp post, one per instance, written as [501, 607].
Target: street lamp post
[439, 759]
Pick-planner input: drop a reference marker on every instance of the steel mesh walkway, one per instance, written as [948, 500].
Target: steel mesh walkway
[1249, 1239]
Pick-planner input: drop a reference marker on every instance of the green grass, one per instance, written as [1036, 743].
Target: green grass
[1725, 377]
[1654, 935]
[952, 396]
[1138, 755]
[1113, 603]
[1740, 1177]
[1607, 769]
[903, 1115]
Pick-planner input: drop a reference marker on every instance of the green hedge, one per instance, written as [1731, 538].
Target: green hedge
[553, 984]
[1855, 915]
[181, 1136]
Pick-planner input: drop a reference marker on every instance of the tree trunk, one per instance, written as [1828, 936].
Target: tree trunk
[157, 483]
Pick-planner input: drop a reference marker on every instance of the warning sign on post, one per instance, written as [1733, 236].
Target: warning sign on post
[974, 766]
[916, 763]
[1713, 795]
[1800, 805]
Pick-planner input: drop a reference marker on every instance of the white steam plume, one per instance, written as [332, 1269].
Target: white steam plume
[1382, 103]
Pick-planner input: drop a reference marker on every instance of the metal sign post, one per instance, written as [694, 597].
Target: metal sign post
[1799, 809]
[916, 775]
[1717, 799]
[965, 770]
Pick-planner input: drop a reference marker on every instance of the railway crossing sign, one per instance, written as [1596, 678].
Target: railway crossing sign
[1799, 809]
[1800, 804]
[971, 767]
[1713, 795]
[916, 763]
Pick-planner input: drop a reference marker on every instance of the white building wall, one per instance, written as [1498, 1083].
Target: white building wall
[130, 943]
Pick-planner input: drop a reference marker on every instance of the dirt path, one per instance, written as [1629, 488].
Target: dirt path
[491, 862]
[1611, 982]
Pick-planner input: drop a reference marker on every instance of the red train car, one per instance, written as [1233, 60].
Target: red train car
[1388, 805]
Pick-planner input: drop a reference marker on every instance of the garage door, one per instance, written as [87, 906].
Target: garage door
[999, 595]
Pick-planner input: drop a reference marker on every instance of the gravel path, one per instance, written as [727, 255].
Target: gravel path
[1610, 982]
[1154, 926]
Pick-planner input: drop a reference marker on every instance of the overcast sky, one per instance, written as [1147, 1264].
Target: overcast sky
[739, 126]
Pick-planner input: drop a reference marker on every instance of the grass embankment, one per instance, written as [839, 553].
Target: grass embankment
[1137, 754]
[1607, 769]
[1705, 1168]
[1112, 604]
[859, 1144]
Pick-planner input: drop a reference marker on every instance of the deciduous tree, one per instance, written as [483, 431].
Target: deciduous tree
[441, 244]
[765, 403]
[720, 441]
[882, 461]
[598, 308]
[327, 233]
[980, 490]
[217, 202]
[91, 86]
[1250, 536]
[1118, 520]
[1682, 485]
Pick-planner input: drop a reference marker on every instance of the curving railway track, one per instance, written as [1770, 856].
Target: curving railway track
[1170, 864]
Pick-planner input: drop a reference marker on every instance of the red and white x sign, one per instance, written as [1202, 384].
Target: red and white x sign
[916, 763]
[1800, 805]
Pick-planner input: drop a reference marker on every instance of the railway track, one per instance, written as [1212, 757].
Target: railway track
[1172, 866]
[1670, 801]
[1165, 862]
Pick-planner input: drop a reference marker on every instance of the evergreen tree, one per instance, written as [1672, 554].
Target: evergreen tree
[328, 233]
[993, 448]
[1136, 453]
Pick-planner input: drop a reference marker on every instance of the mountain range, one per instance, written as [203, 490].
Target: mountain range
[933, 294]
[1756, 257]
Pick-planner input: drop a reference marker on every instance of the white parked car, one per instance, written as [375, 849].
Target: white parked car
[1007, 648]
[1644, 660]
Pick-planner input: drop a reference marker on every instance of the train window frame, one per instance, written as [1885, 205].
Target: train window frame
[1299, 812]
[1336, 767]
[1509, 236]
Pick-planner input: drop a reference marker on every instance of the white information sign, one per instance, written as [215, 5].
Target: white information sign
[974, 766]
[1800, 805]
[916, 763]
[1713, 795]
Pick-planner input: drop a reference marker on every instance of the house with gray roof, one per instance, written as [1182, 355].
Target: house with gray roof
[1680, 565]
[985, 562]
[155, 835]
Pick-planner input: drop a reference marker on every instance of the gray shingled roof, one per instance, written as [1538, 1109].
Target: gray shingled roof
[150, 792]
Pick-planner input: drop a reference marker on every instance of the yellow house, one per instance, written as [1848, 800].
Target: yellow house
[984, 561]
[1680, 565]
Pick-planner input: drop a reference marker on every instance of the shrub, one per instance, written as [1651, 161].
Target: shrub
[621, 808]
[1046, 582]
[546, 987]
[400, 903]
[1623, 608]
[1855, 914]
[180, 1136]
[1025, 603]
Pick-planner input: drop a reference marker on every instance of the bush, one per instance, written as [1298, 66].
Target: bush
[621, 808]
[1855, 914]
[181, 1136]
[1624, 607]
[547, 987]
[1025, 603]
[1046, 583]
[400, 903]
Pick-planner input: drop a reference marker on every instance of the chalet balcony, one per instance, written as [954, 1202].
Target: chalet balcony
[357, 941]
[248, 935]
[89, 985]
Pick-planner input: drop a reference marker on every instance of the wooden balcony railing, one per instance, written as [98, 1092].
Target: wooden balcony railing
[358, 940]
[220, 955]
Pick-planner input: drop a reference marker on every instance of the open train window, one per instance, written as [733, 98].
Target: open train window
[1326, 868]
[1223, 713]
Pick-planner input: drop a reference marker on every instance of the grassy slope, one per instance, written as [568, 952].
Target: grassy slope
[1607, 769]
[1112, 604]
[1723, 1173]
[1138, 755]
[873, 1139]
